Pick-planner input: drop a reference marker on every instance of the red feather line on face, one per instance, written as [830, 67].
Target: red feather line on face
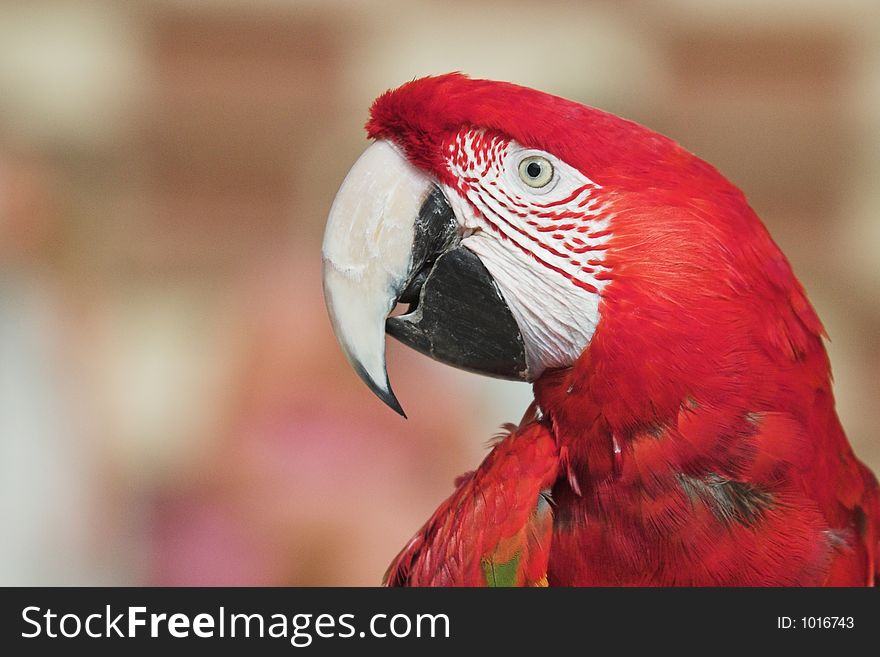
[586, 286]
[491, 203]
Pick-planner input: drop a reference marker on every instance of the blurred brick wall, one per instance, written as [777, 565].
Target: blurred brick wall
[238, 96]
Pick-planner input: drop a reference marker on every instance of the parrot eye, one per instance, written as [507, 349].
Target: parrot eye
[536, 171]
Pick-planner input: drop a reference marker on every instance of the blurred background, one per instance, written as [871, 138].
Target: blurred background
[174, 408]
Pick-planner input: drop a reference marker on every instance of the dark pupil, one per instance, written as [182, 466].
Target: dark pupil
[533, 169]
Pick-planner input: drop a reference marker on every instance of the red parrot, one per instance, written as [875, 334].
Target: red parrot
[683, 431]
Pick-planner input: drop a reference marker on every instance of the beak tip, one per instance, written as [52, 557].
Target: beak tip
[390, 399]
[394, 404]
[382, 390]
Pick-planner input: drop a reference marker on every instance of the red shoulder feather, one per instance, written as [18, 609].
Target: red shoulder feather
[495, 528]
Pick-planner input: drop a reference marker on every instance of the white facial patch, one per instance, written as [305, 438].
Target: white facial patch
[543, 246]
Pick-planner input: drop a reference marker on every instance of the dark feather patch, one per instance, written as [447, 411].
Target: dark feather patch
[731, 501]
[839, 540]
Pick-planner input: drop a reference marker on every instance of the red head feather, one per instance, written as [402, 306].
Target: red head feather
[706, 372]
[421, 114]
[694, 275]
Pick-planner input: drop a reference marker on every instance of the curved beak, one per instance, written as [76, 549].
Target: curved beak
[391, 237]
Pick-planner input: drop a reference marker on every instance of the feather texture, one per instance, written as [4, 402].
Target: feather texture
[495, 529]
[694, 441]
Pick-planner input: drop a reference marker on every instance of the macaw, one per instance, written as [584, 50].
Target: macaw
[683, 430]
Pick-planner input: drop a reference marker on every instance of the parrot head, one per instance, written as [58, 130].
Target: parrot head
[517, 226]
